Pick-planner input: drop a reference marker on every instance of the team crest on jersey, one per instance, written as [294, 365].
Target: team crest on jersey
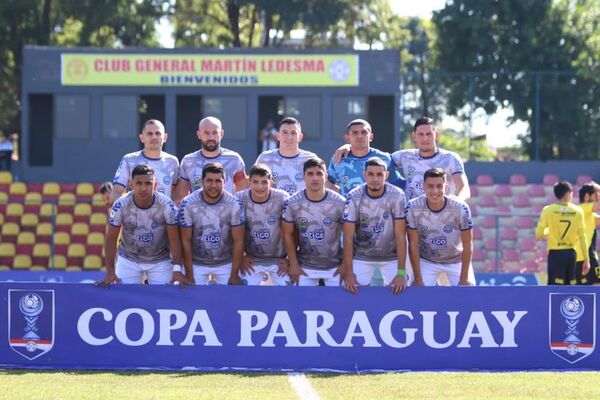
[327, 221]
[130, 226]
[423, 228]
[302, 222]
[572, 325]
[167, 180]
[386, 215]
[154, 225]
[31, 322]
[299, 177]
[271, 220]
[447, 228]
[289, 189]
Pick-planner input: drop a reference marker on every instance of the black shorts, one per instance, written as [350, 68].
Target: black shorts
[561, 267]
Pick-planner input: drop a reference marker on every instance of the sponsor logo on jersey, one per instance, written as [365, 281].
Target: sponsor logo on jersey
[438, 241]
[145, 237]
[263, 235]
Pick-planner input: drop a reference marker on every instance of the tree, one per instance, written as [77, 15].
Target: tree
[103, 23]
[504, 43]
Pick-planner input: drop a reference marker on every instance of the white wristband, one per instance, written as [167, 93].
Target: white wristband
[177, 268]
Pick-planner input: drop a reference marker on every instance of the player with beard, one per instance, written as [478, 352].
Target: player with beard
[210, 133]
[375, 231]
[313, 218]
[211, 222]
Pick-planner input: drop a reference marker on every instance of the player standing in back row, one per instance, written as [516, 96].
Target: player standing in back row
[165, 165]
[210, 132]
[287, 162]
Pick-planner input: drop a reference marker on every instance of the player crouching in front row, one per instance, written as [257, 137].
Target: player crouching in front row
[439, 233]
[150, 233]
[375, 231]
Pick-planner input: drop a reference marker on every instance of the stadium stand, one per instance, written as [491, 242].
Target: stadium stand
[62, 225]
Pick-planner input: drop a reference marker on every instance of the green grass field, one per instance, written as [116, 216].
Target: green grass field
[20, 384]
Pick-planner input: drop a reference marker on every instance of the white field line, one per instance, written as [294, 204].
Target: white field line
[302, 386]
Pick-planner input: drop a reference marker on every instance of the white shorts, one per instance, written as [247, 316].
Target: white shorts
[158, 273]
[220, 274]
[313, 276]
[364, 270]
[261, 275]
[431, 272]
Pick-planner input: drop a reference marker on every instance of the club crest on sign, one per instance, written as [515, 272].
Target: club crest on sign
[31, 322]
[572, 325]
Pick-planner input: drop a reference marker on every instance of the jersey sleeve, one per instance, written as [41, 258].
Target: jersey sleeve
[115, 216]
[395, 177]
[540, 230]
[332, 173]
[583, 240]
[399, 206]
[287, 212]
[184, 216]
[170, 213]
[466, 222]
[175, 172]
[238, 214]
[410, 217]
[456, 165]
[122, 174]
[349, 210]
[183, 174]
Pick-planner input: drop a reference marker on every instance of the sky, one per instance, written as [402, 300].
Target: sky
[494, 127]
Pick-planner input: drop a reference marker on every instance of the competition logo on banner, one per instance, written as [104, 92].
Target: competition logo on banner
[572, 325]
[31, 322]
[99, 69]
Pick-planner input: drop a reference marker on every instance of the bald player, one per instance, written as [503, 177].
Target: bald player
[210, 133]
[165, 165]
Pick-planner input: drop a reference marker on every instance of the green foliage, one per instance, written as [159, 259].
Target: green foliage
[459, 143]
[498, 40]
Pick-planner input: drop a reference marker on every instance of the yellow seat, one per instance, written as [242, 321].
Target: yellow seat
[3, 198]
[62, 238]
[51, 189]
[37, 268]
[76, 250]
[10, 229]
[14, 210]
[41, 250]
[80, 229]
[73, 268]
[22, 261]
[95, 239]
[58, 261]
[33, 198]
[84, 189]
[26, 238]
[1, 219]
[83, 210]
[66, 199]
[48, 210]
[44, 229]
[7, 249]
[64, 219]
[92, 262]
[6, 178]
[29, 220]
[98, 219]
[17, 189]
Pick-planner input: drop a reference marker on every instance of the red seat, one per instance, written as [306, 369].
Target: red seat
[550, 179]
[68, 188]
[484, 180]
[517, 180]
[508, 234]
